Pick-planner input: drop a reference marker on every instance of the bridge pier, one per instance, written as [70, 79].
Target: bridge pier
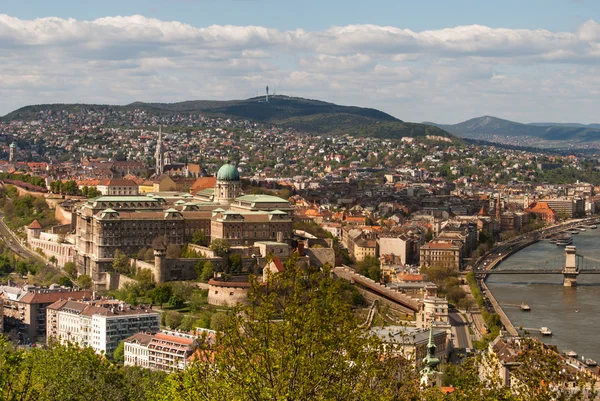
[570, 272]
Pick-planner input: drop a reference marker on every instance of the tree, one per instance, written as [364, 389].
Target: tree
[121, 263]
[84, 281]
[70, 269]
[176, 302]
[297, 341]
[208, 271]
[145, 278]
[173, 319]
[218, 321]
[65, 282]
[235, 263]
[199, 238]
[220, 247]
[161, 294]
[173, 251]
[119, 353]
[370, 267]
[53, 260]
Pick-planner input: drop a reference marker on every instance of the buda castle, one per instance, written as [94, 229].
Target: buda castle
[131, 223]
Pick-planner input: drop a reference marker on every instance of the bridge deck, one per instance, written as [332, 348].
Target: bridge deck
[537, 271]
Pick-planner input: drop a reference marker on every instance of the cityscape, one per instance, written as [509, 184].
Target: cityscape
[290, 233]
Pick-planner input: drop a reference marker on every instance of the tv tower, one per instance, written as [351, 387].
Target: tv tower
[267, 98]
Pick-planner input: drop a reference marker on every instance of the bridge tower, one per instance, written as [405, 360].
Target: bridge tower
[570, 272]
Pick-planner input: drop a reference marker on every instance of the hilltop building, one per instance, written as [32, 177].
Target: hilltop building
[130, 223]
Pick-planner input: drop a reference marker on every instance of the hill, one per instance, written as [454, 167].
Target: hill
[305, 115]
[486, 126]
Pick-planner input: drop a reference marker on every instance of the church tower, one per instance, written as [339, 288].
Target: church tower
[430, 376]
[160, 163]
[11, 154]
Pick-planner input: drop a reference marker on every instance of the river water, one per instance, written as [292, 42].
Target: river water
[553, 305]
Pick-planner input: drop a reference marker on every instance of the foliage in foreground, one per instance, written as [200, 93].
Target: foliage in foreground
[297, 340]
[66, 372]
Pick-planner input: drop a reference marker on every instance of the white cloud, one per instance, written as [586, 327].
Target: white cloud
[445, 75]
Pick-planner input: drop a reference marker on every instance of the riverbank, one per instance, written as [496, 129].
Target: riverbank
[502, 251]
[570, 313]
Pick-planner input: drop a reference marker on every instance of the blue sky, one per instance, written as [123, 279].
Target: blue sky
[443, 60]
[557, 15]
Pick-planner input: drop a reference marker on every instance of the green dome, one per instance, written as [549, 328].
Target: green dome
[228, 172]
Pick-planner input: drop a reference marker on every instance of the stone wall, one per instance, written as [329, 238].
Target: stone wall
[227, 293]
[63, 216]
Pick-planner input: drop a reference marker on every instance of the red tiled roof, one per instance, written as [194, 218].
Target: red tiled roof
[35, 225]
[51, 297]
[174, 339]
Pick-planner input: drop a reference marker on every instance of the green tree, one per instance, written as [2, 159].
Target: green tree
[70, 269]
[145, 279]
[199, 238]
[173, 319]
[161, 294]
[235, 263]
[220, 247]
[119, 353]
[218, 321]
[298, 340]
[176, 302]
[208, 271]
[370, 267]
[84, 281]
[53, 260]
[121, 263]
[65, 281]
[173, 251]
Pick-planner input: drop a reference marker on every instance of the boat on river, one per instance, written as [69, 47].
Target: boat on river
[545, 331]
[591, 227]
[571, 353]
[525, 307]
[564, 241]
[573, 232]
[590, 362]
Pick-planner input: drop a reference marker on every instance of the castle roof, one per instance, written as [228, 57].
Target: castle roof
[228, 172]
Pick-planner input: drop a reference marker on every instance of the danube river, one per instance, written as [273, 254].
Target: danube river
[553, 305]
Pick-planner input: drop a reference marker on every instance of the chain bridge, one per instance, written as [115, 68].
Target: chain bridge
[573, 266]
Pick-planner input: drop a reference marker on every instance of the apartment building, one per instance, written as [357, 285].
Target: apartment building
[24, 308]
[101, 325]
[167, 350]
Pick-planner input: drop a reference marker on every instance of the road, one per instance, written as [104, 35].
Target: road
[13, 242]
[460, 330]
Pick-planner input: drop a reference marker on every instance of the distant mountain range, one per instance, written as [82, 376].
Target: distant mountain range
[305, 115]
[487, 127]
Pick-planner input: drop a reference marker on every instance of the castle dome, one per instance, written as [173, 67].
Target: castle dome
[228, 172]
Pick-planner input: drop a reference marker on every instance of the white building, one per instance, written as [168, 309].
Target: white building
[117, 187]
[167, 350]
[60, 246]
[101, 325]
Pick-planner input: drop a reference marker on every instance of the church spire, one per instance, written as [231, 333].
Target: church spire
[430, 361]
[159, 157]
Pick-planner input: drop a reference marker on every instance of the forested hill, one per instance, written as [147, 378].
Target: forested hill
[304, 115]
[482, 127]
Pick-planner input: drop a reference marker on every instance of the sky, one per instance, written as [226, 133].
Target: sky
[429, 60]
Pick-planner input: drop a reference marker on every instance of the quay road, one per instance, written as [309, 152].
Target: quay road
[14, 243]
[503, 250]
